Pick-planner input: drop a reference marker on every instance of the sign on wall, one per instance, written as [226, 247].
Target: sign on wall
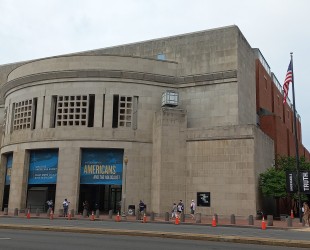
[291, 182]
[9, 162]
[203, 199]
[102, 166]
[43, 167]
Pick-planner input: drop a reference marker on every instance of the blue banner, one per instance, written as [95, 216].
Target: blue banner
[102, 166]
[9, 162]
[43, 167]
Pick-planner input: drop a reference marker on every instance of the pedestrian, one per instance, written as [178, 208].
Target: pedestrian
[86, 207]
[306, 211]
[141, 209]
[193, 207]
[50, 204]
[65, 205]
[174, 211]
[180, 208]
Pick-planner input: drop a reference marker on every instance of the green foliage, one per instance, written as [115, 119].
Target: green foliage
[273, 183]
[273, 180]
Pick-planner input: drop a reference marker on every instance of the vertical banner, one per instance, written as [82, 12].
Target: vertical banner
[102, 166]
[304, 182]
[9, 162]
[43, 167]
[291, 182]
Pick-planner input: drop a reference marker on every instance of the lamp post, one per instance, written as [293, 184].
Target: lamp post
[124, 187]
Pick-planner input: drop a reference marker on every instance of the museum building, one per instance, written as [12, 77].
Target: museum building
[194, 116]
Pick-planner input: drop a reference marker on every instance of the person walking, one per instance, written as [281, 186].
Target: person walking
[180, 208]
[65, 206]
[174, 211]
[193, 208]
[141, 209]
[306, 211]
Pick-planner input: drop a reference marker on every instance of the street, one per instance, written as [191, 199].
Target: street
[36, 240]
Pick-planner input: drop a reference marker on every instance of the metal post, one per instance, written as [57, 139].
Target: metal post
[124, 187]
[296, 142]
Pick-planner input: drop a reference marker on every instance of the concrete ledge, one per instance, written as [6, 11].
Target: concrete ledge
[186, 236]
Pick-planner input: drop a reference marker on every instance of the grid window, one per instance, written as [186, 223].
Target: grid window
[22, 115]
[69, 111]
[125, 111]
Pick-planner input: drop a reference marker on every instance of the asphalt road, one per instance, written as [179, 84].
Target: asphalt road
[37, 240]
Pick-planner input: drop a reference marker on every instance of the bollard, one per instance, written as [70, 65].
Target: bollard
[251, 220]
[216, 218]
[167, 216]
[6, 211]
[84, 213]
[110, 214]
[198, 217]
[16, 212]
[37, 212]
[269, 220]
[72, 213]
[61, 212]
[182, 219]
[232, 219]
[152, 216]
[48, 212]
[97, 213]
[289, 221]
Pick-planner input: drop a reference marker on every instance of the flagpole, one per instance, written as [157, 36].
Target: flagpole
[296, 143]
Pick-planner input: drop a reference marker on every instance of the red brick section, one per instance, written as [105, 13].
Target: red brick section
[277, 122]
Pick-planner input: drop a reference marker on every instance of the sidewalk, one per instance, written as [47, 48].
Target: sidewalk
[205, 220]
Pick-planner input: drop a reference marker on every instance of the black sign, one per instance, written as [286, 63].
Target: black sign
[291, 182]
[203, 199]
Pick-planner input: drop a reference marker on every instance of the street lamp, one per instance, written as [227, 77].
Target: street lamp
[124, 187]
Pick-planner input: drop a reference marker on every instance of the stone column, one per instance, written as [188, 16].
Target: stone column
[19, 180]
[68, 177]
[2, 178]
[98, 113]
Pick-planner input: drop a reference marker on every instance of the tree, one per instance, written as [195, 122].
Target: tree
[273, 180]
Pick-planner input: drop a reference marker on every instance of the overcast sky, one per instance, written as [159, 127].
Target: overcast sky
[39, 28]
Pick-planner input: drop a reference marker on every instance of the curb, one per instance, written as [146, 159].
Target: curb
[184, 236]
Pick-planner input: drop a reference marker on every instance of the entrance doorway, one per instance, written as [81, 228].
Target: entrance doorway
[106, 197]
[6, 194]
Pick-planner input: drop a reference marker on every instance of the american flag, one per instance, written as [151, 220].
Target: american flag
[287, 81]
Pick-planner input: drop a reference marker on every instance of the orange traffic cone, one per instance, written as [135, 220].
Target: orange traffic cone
[28, 214]
[117, 219]
[144, 218]
[213, 221]
[263, 224]
[292, 214]
[51, 214]
[177, 220]
[69, 215]
[92, 217]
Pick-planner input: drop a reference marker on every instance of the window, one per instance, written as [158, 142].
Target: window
[24, 114]
[123, 107]
[73, 111]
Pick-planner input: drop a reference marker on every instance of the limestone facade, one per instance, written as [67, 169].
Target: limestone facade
[210, 142]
